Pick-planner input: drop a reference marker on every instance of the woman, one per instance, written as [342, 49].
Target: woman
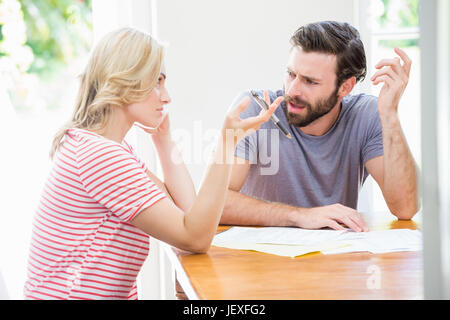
[100, 203]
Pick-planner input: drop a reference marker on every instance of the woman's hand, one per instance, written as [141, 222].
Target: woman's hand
[160, 132]
[234, 128]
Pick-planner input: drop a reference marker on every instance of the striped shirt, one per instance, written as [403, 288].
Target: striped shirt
[82, 245]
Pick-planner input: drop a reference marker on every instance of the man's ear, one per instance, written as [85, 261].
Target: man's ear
[347, 86]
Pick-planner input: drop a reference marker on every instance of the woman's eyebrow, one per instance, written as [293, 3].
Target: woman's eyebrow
[164, 75]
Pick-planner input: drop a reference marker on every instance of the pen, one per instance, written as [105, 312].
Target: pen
[275, 119]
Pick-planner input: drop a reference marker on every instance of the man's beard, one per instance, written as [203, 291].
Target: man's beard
[321, 108]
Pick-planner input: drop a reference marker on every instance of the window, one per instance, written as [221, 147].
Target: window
[395, 23]
[43, 47]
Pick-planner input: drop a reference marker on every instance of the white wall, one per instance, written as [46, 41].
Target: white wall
[435, 47]
[444, 141]
[216, 49]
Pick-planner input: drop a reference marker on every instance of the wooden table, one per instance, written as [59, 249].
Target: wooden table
[238, 274]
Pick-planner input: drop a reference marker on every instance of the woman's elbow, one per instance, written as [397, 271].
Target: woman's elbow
[199, 248]
[198, 245]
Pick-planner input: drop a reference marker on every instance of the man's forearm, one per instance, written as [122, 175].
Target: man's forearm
[400, 171]
[241, 209]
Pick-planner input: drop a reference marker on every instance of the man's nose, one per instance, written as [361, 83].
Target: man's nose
[294, 88]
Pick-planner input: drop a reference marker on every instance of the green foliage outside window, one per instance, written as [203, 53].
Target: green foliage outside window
[406, 12]
[38, 40]
[399, 14]
[56, 32]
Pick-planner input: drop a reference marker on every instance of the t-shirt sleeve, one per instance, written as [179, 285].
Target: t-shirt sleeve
[131, 149]
[116, 179]
[373, 146]
[247, 148]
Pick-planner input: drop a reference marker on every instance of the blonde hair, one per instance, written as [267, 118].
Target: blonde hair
[122, 69]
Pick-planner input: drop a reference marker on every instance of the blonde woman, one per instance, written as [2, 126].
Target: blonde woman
[100, 202]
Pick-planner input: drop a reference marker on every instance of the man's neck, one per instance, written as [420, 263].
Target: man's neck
[322, 125]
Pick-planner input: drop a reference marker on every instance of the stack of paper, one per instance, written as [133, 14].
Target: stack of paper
[294, 242]
[380, 241]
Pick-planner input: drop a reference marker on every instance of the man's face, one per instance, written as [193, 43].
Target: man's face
[310, 86]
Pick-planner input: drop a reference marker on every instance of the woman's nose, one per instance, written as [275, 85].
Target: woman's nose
[165, 98]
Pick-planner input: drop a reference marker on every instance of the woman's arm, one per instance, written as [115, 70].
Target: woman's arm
[177, 183]
[195, 229]
[177, 179]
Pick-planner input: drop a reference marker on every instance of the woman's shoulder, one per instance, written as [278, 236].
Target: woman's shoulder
[89, 145]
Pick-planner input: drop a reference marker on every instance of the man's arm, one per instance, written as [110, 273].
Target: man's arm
[395, 171]
[241, 209]
[396, 174]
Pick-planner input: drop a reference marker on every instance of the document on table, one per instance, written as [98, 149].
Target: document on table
[294, 242]
[383, 241]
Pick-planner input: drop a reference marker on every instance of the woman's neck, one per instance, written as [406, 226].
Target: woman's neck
[117, 126]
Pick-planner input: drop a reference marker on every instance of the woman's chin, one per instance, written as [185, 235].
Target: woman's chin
[148, 124]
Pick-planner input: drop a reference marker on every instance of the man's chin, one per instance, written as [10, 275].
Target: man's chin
[295, 121]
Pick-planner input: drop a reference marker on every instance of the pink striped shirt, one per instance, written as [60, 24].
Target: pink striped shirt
[83, 246]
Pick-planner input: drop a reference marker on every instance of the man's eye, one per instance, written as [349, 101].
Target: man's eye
[290, 74]
[309, 81]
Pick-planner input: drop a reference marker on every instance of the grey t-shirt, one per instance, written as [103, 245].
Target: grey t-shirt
[311, 171]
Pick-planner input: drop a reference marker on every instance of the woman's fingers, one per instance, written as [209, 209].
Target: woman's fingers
[264, 115]
[244, 127]
[242, 105]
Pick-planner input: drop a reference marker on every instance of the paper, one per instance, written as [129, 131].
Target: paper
[383, 241]
[285, 250]
[294, 242]
[277, 235]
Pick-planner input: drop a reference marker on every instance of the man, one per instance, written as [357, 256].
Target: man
[337, 139]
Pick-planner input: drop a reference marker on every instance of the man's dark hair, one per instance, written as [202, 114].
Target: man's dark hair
[337, 38]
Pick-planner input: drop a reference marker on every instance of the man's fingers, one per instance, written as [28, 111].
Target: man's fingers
[356, 218]
[406, 60]
[394, 63]
[350, 217]
[386, 79]
[350, 223]
[334, 225]
[385, 71]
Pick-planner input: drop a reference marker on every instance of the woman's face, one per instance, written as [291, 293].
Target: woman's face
[149, 112]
